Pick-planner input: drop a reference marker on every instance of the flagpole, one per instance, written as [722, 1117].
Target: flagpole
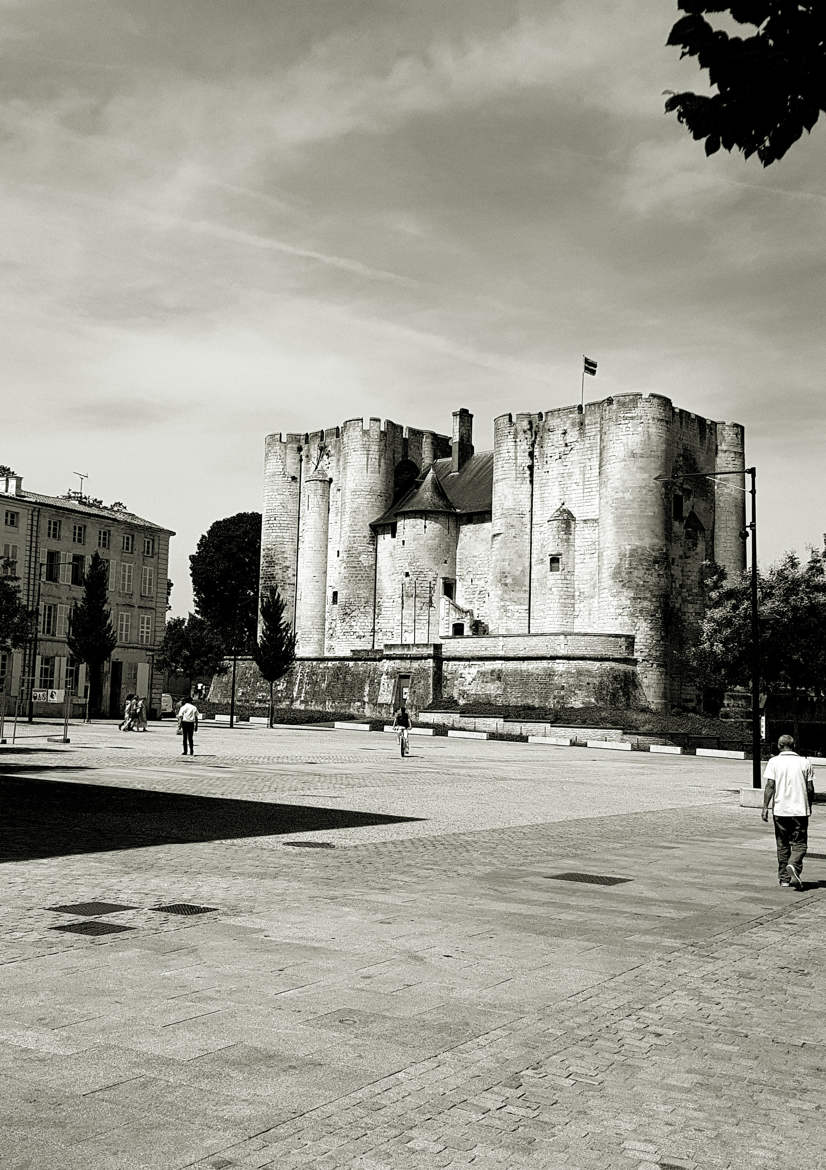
[582, 387]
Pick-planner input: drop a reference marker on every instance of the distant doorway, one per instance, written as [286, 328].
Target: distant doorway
[458, 629]
[115, 684]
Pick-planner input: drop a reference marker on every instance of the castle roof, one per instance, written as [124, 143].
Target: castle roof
[439, 489]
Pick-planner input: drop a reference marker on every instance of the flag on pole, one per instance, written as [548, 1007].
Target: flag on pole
[590, 366]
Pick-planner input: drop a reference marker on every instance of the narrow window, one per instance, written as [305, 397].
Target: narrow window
[78, 534]
[49, 622]
[124, 626]
[458, 629]
[12, 519]
[145, 629]
[335, 597]
[555, 564]
[53, 529]
[126, 570]
[52, 565]
[128, 542]
[46, 679]
[104, 538]
[78, 568]
[149, 546]
[448, 588]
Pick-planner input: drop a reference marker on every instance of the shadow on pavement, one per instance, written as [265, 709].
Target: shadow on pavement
[46, 818]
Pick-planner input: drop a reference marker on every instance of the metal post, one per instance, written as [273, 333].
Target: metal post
[232, 692]
[415, 583]
[401, 619]
[3, 714]
[16, 713]
[429, 606]
[67, 699]
[755, 640]
[34, 642]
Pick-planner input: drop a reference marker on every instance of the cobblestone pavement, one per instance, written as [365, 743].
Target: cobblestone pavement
[429, 992]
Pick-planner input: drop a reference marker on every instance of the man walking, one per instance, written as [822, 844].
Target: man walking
[788, 789]
[188, 722]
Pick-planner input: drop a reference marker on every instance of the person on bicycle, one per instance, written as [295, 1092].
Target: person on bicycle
[401, 724]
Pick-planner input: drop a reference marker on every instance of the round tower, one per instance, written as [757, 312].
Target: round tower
[279, 525]
[311, 601]
[368, 454]
[634, 567]
[730, 503]
[513, 452]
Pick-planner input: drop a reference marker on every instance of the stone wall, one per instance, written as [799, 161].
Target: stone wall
[558, 669]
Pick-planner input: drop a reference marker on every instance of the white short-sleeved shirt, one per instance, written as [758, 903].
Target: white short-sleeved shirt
[790, 773]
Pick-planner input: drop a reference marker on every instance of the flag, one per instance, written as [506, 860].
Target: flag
[590, 365]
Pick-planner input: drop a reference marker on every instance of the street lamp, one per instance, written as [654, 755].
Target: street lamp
[755, 625]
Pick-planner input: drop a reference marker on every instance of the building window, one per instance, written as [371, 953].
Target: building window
[46, 678]
[12, 519]
[10, 552]
[128, 542]
[676, 507]
[78, 534]
[458, 629]
[53, 529]
[124, 626]
[555, 564]
[145, 629]
[52, 565]
[335, 597]
[448, 588]
[106, 566]
[149, 546]
[48, 622]
[105, 538]
[126, 577]
[147, 580]
[78, 568]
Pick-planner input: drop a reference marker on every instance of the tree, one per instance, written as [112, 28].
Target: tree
[16, 621]
[792, 611]
[190, 649]
[274, 652]
[224, 570]
[770, 85]
[91, 638]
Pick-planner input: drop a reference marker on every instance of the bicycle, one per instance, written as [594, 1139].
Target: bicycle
[404, 741]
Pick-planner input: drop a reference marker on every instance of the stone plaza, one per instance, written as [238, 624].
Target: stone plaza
[297, 949]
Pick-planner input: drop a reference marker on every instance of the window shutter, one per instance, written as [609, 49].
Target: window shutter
[59, 672]
[62, 621]
[80, 687]
[65, 573]
[36, 679]
[114, 569]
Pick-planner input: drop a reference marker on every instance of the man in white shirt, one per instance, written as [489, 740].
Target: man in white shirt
[188, 722]
[788, 789]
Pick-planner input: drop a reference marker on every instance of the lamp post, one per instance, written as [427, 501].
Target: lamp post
[751, 472]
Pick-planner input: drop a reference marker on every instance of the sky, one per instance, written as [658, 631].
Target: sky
[224, 218]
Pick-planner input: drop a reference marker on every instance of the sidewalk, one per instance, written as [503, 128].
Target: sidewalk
[426, 993]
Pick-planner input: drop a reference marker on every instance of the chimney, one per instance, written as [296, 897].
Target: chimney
[462, 446]
[11, 485]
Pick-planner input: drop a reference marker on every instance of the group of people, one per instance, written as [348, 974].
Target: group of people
[134, 714]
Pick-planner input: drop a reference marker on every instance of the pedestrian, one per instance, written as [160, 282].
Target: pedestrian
[127, 713]
[788, 790]
[140, 714]
[401, 725]
[188, 723]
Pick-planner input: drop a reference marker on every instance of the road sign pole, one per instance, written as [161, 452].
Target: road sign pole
[67, 700]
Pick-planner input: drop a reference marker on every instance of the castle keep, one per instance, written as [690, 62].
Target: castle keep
[557, 569]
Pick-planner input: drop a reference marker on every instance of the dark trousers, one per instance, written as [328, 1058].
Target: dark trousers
[188, 730]
[791, 835]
